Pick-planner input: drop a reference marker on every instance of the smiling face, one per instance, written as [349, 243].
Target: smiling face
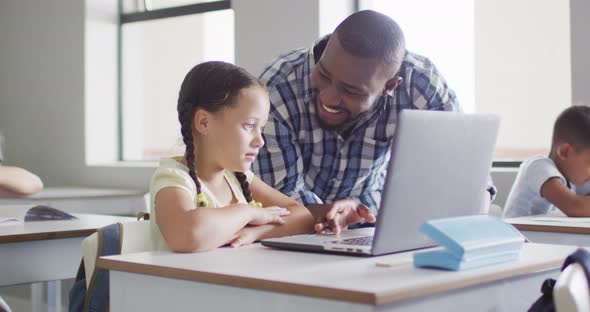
[234, 134]
[349, 85]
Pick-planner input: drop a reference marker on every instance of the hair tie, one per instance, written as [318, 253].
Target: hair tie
[202, 200]
[255, 203]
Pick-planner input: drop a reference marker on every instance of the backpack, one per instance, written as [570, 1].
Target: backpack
[546, 303]
[96, 297]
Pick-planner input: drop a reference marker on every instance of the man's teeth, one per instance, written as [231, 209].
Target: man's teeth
[330, 110]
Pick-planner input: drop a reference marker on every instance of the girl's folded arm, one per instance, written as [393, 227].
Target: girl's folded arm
[300, 221]
[187, 228]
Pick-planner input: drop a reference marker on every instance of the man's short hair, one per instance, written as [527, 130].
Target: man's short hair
[573, 126]
[371, 34]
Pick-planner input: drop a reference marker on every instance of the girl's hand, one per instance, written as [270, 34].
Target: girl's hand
[245, 236]
[268, 215]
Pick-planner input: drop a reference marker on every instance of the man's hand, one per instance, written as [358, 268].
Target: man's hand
[339, 214]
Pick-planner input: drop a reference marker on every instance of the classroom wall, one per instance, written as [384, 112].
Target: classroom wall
[44, 83]
[257, 44]
[580, 51]
[522, 64]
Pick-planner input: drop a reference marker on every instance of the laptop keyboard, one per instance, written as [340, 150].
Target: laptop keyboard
[362, 241]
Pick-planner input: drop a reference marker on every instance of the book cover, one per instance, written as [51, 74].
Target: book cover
[15, 214]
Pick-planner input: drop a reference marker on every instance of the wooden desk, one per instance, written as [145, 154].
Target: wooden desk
[255, 278]
[42, 251]
[567, 232]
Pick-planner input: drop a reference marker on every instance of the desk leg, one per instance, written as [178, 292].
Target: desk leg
[54, 296]
[36, 297]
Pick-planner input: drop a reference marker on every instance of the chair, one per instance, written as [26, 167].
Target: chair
[495, 211]
[135, 237]
[3, 306]
[571, 291]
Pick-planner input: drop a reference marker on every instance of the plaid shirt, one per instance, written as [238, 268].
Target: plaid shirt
[315, 165]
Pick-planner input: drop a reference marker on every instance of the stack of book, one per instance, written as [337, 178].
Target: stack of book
[469, 242]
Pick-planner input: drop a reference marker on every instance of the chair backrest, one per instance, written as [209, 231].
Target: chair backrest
[135, 237]
[3, 306]
[571, 292]
[90, 291]
[89, 252]
[495, 210]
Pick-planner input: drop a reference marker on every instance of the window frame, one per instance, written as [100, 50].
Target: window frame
[147, 15]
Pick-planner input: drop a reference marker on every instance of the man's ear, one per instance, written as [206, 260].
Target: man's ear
[390, 85]
[201, 121]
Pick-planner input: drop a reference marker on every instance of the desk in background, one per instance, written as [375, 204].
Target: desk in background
[87, 200]
[255, 278]
[32, 252]
[554, 228]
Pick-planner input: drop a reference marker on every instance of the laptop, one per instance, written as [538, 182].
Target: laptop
[438, 168]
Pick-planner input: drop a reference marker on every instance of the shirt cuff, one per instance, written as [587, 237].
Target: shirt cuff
[307, 198]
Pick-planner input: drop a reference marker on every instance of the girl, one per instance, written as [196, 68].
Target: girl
[209, 197]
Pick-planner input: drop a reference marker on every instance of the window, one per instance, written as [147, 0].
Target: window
[160, 42]
[502, 57]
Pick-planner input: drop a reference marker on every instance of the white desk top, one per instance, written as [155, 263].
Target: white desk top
[557, 223]
[85, 225]
[328, 276]
[75, 192]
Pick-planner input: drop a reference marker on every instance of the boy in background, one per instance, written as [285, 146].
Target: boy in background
[546, 182]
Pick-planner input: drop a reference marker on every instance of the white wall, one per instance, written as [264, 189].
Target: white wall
[523, 67]
[42, 86]
[580, 51]
[261, 35]
[265, 29]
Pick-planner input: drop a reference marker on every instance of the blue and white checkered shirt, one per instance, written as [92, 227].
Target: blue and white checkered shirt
[315, 165]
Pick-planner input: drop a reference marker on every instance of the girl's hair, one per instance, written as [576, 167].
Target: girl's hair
[211, 86]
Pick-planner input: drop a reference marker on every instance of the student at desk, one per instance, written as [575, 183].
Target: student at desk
[17, 182]
[209, 197]
[546, 182]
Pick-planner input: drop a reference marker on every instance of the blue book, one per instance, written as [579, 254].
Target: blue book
[469, 242]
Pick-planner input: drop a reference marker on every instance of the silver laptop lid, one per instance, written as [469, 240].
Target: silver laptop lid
[439, 168]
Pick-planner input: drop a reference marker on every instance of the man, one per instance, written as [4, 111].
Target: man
[333, 114]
